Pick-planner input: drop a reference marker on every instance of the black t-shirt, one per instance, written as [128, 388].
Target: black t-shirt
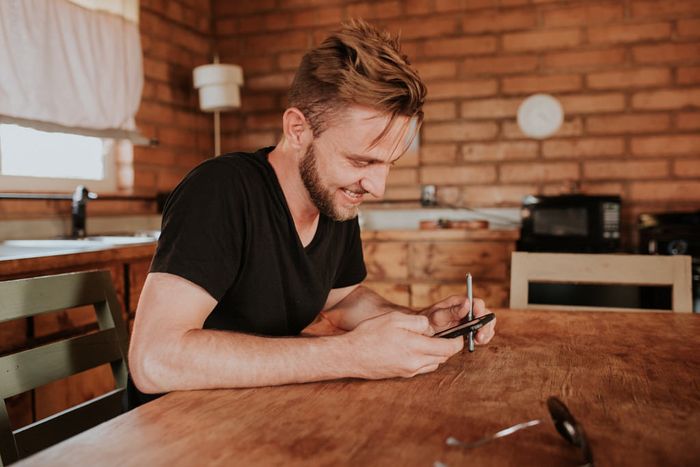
[227, 228]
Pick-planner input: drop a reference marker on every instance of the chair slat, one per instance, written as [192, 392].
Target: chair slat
[28, 297]
[44, 433]
[31, 368]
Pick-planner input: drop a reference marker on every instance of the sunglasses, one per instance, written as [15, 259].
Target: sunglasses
[565, 423]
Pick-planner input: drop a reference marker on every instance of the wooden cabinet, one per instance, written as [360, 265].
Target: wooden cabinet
[128, 267]
[420, 267]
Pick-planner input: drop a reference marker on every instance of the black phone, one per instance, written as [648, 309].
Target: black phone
[466, 326]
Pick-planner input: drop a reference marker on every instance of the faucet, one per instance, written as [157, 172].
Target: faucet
[78, 213]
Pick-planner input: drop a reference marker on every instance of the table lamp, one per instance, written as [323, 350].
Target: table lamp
[219, 91]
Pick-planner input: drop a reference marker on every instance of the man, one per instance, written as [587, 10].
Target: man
[255, 246]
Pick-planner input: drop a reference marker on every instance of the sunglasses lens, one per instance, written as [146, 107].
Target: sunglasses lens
[569, 428]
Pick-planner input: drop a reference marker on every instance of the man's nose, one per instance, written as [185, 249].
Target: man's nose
[375, 181]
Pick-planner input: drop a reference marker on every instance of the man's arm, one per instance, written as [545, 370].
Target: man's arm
[348, 307]
[170, 350]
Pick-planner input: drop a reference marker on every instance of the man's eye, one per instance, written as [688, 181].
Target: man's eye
[361, 163]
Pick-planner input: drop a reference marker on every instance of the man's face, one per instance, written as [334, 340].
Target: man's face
[341, 165]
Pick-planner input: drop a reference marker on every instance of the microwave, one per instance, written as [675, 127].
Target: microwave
[570, 223]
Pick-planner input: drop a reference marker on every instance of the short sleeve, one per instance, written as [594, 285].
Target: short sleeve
[203, 229]
[352, 266]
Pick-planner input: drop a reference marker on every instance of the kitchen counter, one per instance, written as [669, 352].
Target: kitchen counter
[73, 259]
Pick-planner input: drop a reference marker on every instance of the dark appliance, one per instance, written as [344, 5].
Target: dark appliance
[570, 223]
[673, 233]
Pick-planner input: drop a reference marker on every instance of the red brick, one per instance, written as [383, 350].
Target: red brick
[270, 81]
[601, 188]
[402, 176]
[433, 70]
[422, 27]
[499, 20]
[628, 33]
[688, 120]
[584, 14]
[539, 83]
[499, 65]
[457, 175]
[626, 170]
[592, 103]
[373, 10]
[490, 108]
[642, 77]
[502, 195]
[462, 46]
[417, 7]
[571, 127]
[672, 190]
[261, 44]
[666, 53]
[583, 147]
[435, 111]
[666, 145]
[156, 69]
[666, 99]
[460, 131]
[584, 59]
[539, 172]
[458, 5]
[264, 121]
[437, 153]
[689, 27]
[241, 8]
[248, 141]
[257, 102]
[542, 40]
[656, 9]
[289, 60]
[500, 151]
[687, 167]
[451, 89]
[629, 123]
[688, 75]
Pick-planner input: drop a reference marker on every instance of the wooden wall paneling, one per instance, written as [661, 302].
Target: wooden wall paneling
[423, 294]
[398, 293]
[485, 260]
[386, 260]
[62, 394]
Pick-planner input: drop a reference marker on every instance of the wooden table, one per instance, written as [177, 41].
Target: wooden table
[631, 379]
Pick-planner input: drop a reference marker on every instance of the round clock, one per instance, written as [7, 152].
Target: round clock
[540, 116]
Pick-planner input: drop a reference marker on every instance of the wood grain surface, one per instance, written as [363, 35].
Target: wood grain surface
[633, 382]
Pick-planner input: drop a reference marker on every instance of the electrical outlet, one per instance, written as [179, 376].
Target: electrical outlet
[428, 195]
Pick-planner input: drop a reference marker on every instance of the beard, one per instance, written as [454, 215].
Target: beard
[321, 196]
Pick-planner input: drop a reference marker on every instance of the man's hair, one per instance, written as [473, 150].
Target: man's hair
[358, 64]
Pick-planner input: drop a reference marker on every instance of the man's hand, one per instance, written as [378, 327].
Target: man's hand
[397, 344]
[448, 312]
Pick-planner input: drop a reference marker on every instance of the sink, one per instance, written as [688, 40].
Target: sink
[56, 246]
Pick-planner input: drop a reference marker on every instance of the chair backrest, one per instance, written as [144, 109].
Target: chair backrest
[621, 269]
[28, 369]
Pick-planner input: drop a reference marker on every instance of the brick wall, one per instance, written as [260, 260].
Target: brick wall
[626, 72]
[175, 37]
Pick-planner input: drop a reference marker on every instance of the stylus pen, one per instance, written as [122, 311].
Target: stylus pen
[470, 316]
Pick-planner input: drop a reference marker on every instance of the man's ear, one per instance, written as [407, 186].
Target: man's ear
[296, 129]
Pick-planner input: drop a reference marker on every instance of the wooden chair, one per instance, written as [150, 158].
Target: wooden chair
[622, 269]
[28, 369]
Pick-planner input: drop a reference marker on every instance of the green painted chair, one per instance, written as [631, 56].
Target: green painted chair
[28, 369]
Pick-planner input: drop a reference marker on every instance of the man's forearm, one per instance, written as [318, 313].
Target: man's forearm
[362, 304]
[208, 359]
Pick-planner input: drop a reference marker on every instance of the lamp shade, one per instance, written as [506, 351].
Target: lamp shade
[218, 86]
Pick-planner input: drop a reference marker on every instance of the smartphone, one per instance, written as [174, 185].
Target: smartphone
[466, 326]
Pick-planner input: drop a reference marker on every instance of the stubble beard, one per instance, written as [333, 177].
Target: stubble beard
[320, 196]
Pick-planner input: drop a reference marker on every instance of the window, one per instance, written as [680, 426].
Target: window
[33, 160]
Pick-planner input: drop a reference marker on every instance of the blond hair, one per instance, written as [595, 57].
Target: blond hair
[358, 64]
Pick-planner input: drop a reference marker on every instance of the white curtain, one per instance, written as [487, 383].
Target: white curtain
[72, 63]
